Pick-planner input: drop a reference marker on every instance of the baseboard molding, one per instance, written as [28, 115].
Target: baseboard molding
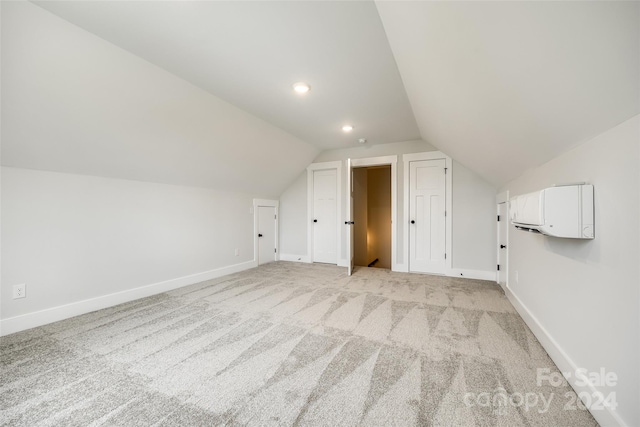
[607, 417]
[294, 258]
[472, 274]
[54, 314]
[342, 262]
[400, 268]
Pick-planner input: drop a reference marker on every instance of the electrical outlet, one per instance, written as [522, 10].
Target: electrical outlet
[237, 252]
[19, 291]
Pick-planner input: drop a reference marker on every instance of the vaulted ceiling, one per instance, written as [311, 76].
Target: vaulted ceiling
[500, 86]
[506, 86]
[251, 53]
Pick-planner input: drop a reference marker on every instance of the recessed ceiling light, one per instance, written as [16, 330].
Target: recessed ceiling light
[347, 128]
[301, 87]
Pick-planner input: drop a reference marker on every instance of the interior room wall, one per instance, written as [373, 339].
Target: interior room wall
[360, 217]
[474, 225]
[379, 215]
[293, 217]
[474, 221]
[582, 296]
[75, 104]
[365, 151]
[72, 238]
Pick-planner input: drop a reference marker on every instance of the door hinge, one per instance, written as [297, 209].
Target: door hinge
[275, 250]
[445, 256]
[498, 218]
[498, 267]
[275, 217]
[445, 213]
[445, 171]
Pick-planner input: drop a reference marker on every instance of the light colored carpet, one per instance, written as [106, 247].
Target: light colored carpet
[288, 344]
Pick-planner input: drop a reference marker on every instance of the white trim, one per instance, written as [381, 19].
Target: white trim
[430, 155]
[393, 162]
[472, 274]
[294, 258]
[502, 198]
[268, 203]
[54, 314]
[337, 165]
[564, 363]
[349, 220]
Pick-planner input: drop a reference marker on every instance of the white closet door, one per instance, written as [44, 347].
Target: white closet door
[427, 210]
[266, 234]
[325, 216]
[503, 224]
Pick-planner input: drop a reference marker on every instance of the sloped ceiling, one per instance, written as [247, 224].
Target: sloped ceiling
[500, 86]
[251, 53]
[72, 102]
[506, 86]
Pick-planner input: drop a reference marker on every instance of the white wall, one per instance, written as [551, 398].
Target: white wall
[582, 296]
[474, 221]
[293, 220]
[75, 104]
[73, 238]
[474, 224]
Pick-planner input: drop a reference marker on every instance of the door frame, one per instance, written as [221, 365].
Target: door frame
[502, 198]
[393, 162]
[266, 203]
[310, 170]
[415, 157]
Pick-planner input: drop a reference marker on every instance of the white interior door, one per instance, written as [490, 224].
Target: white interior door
[427, 216]
[325, 222]
[349, 223]
[266, 234]
[503, 226]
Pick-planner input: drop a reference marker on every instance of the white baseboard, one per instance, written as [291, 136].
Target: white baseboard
[607, 417]
[342, 262]
[294, 258]
[454, 272]
[400, 268]
[472, 274]
[54, 314]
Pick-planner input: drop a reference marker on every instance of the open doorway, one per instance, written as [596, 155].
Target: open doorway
[372, 214]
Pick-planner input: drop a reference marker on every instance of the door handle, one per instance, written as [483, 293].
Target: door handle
[413, 221]
[503, 246]
[315, 220]
[349, 223]
[259, 235]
